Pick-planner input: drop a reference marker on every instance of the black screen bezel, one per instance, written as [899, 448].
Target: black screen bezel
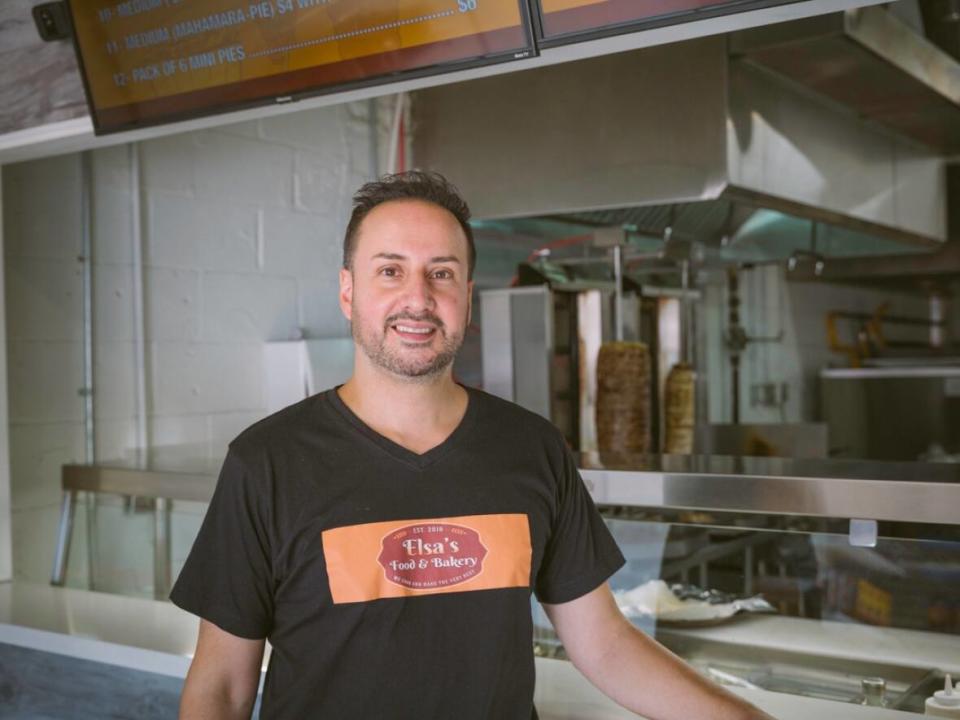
[622, 28]
[221, 108]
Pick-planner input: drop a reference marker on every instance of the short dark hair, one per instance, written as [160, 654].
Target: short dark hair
[421, 185]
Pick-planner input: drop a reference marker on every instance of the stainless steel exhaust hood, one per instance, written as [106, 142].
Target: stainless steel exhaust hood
[933, 273]
[871, 62]
[724, 233]
[684, 130]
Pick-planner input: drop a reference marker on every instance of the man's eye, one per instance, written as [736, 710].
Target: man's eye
[443, 274]
[389, 272]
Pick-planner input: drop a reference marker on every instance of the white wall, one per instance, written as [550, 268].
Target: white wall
[242, 228]
[770, 305]
[42, 278]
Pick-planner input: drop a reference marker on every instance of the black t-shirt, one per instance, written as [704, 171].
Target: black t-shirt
[392, 584]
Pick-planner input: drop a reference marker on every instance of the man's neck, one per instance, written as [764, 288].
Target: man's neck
[417, 414]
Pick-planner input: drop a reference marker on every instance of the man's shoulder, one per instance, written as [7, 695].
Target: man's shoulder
[509, 417]
[280, 427]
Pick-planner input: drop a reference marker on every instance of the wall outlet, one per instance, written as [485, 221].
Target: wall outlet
[769, 395]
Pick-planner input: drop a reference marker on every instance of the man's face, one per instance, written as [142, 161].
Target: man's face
[407, 295]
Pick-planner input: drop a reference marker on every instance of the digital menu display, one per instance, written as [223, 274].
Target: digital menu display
[572, 20]
[151, 61]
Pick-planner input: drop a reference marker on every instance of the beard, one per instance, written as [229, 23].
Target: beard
[415, 363]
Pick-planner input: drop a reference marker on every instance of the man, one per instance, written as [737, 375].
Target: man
[386, 535]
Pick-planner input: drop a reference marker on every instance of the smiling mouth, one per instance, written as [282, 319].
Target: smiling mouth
[414, 333]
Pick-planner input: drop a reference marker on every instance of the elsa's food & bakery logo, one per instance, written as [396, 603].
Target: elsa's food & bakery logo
[426, 556]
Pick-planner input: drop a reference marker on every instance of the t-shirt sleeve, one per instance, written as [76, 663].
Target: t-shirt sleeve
[581, 553]
[227, 578]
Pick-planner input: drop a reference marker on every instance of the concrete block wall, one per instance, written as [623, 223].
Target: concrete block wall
[770, 306]
[242, 229]
[43, 286]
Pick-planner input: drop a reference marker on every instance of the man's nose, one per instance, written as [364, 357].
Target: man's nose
[418, 293]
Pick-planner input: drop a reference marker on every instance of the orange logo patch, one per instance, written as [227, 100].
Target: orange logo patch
[403, 558]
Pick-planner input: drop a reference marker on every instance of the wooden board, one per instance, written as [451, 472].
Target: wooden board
[40, 83]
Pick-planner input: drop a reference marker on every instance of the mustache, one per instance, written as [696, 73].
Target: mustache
[422, 317]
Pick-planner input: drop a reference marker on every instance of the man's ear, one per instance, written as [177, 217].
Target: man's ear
[346, 293]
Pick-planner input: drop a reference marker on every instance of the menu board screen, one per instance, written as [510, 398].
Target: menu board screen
[151, 61]
[570, 20]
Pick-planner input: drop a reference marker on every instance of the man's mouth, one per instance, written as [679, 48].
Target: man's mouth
[414, 332]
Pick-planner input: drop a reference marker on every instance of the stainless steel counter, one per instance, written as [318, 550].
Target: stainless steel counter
[158, 637]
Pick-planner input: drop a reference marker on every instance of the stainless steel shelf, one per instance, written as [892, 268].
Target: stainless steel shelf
[904, 492]
[176, 476]
[195, 485]
[908, 492]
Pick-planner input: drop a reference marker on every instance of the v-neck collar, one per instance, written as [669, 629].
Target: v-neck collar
[405, 455]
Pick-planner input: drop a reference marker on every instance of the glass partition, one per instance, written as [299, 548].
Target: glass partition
[787, 604]
[121, 544]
